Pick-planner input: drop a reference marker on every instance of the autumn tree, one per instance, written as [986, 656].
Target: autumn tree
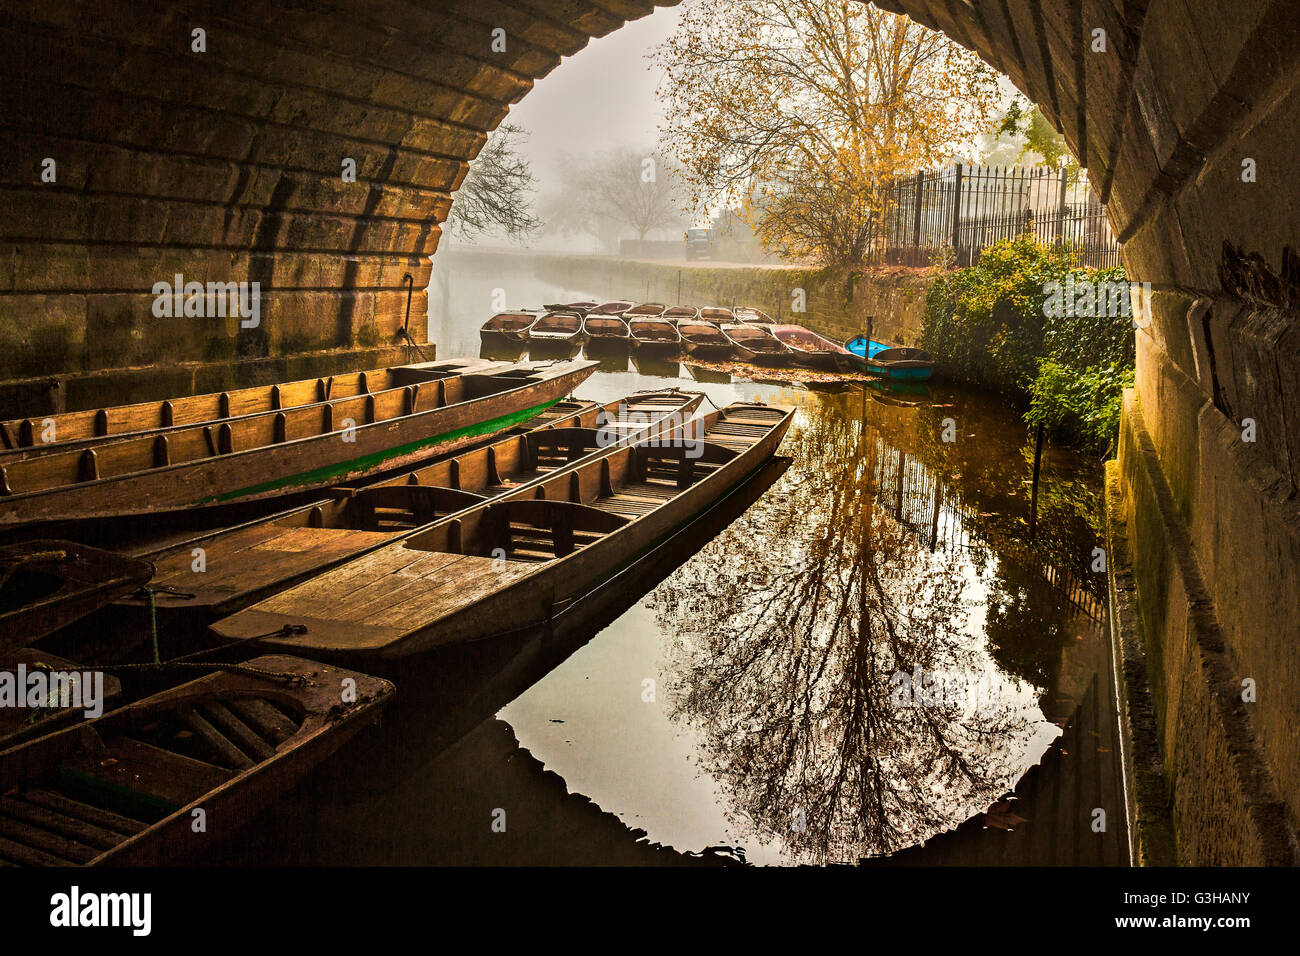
[1027, 123]
[496, 195]
[816, 105]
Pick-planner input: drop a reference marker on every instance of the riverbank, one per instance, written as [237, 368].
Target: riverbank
[835, 302]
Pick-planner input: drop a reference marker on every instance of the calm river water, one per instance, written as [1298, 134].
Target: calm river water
[871, 653]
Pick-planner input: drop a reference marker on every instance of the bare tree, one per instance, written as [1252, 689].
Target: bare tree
[496, 195]
[622, 189]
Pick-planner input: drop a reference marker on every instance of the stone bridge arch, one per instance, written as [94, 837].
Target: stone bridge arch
[225, 164]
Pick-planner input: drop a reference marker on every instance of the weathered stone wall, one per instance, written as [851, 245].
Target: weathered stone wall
[227, 164]
[78, 391]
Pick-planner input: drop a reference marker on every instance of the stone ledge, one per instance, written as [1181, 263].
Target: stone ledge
[77, 391]
[1146, 789]
[1225, 804]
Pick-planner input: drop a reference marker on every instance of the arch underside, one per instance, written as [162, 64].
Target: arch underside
[225, 165]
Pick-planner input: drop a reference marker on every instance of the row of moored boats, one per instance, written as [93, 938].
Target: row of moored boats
[360, 524]
[710, 333]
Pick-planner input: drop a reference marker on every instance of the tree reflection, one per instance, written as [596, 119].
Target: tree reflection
[787, 662]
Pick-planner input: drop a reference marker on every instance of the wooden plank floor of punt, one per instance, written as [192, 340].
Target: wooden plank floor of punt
[244, 564]
[382, 596]
[381, 601]
[653, 406]
[736, 432]
[742, 427]
[256, 557]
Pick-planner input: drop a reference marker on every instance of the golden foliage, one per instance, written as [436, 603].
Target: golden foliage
[801, 112]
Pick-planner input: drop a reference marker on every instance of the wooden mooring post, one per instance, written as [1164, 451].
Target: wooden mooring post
[1033, 493]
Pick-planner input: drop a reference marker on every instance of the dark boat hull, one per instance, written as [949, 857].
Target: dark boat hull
[49, 584]
[710, 351]
[342, 454]
[128, 792]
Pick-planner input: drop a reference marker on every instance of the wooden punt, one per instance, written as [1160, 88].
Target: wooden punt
[646, 310]
[655, 335]
[716, 314]
[507, 327]
[813, 350]
[26, 437]
[22, 723]
[602, 329]
[123, 790]
[616, 307]
[755, 344]
[250, 562]
[582, 307]
[705, 340]
[901, 363]
[46, 584]
[262, 456]
[752, 316]
[557, 328]
[513, 563]
[680, 313]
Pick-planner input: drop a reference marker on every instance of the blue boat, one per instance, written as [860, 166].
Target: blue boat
[899, 362]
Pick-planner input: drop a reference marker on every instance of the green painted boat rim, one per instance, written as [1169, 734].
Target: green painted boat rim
[372, 461]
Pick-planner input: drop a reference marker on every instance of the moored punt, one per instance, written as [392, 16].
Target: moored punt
[705, 340]
[122, 790]
[513, 563]
[45, 585]
[679, 313]
[266, 455]
[616, 307]
[582, 307]
[755, 344]
[602, 329]
[901, 363]
[250, 562]
[655, 335]
[28, 437]
[645, 310]
[813, 350]
[752, 316]
[507, 327]
[716, 314]
[557, 327]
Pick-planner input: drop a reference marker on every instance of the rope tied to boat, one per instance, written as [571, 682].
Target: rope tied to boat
[292, 680]
[285, 630]
[412, 347]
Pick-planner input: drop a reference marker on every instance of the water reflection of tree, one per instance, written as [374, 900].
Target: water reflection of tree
[786, 659]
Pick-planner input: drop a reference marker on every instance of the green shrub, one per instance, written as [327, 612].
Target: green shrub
[987, 325]
[1080, 406]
